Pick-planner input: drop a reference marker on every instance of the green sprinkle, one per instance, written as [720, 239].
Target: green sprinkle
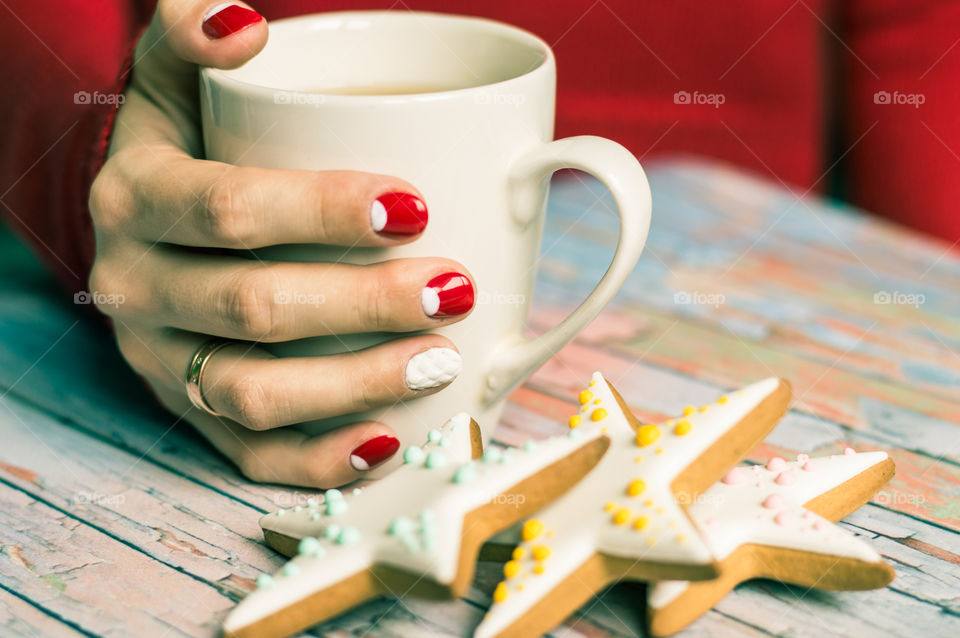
[434, 436]
[264, 581]
[348, 536]
[310, 546]
[465, 473]
[436, 459]
[492, 455]
[290, 570]
[412, 454]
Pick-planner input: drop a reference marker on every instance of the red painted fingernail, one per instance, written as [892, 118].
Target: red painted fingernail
[226, 19]
[373, 452]
[446, 295]
[398, 214]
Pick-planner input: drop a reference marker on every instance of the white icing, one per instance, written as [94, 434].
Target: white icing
[582, 527]
[407, 493]
[733, 515]
[432, 368]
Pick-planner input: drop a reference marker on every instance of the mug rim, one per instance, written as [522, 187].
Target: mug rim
[225, 77]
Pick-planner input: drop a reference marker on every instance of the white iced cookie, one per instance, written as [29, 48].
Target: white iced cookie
[755, 523]
[624, 518]
[416, 531]
[432, 368]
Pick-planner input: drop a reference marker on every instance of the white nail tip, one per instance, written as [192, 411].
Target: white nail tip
[216, 9]
[432, 368]
[358, 463]
[430, 300]
[378, 216]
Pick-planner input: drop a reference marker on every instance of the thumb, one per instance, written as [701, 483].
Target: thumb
[184, 33]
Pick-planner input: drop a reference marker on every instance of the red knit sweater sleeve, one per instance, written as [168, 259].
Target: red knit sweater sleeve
[67, 64]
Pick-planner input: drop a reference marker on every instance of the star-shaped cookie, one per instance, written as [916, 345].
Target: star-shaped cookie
[416, 531]
[625, 518]
[771, 522]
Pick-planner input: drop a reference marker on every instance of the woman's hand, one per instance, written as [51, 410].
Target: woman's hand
[160, 217]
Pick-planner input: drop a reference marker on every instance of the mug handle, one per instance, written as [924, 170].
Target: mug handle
[621, 173]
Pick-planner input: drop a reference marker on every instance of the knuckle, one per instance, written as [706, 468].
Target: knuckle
[225, 214]
[248, 401]
[109, 200]
[374, 302]
[249, 306]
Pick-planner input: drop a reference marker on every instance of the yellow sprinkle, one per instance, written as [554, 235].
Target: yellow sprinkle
[585, 397]
[550, 533]
[636, 487]
[603, 430]
[574, 421]
[722, 400]
[540, 552]
[641, 522]
[500, 593]
[647, 434]
[659, 450]
[519, 587]
[621, 516]
[672, 524]
[609, 506]
[683, 427]
[598, 415]
[531, 529]
[592, 383]
[651, 541]
[660, 511]
[597, 401]
[703, 408]
[585, 408]
[648, 502]
[519, 553]
[681, 539]
[639, 459]
[687, 411]
[538, 568]
[511, 569]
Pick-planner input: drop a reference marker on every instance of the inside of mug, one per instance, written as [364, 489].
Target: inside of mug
[380, 53]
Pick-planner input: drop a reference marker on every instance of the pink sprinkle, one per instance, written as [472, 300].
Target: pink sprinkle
[736, 476]
[776, 464]
[802, 458]
[781, 519]
[818, 525]
[757, 484]
[849, 451]
[785, 478]
[755, 468]
[806, 514]
[711, 521]
[773, 502]
[809, 466]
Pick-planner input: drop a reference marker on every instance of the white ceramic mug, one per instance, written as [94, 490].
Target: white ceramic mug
[479, 149]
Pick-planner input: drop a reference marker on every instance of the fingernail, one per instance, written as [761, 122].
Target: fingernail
[398, 214]
[432, 368]
[226, 19]
[446, 295]
[372, 453]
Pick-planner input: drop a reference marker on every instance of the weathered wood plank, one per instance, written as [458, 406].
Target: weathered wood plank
[20, 618]
[101, 585]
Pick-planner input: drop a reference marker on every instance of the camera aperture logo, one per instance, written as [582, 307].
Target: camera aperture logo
[898, 98]
[298, 298]
[698, 298]
[699, 99]
[897, 298]
[86, 97]
[98, 298]
[296, 98]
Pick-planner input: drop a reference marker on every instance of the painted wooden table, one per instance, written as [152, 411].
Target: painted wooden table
[116, 520]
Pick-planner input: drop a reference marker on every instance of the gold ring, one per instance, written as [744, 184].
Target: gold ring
[195, 370]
